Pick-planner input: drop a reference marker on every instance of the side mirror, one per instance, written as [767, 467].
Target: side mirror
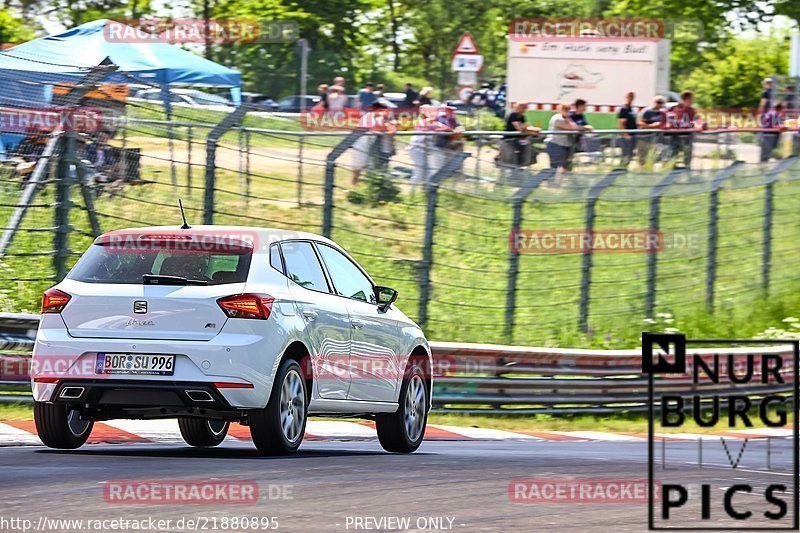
[385, 297]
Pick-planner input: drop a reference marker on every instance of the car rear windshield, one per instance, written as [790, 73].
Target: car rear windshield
[106, 264]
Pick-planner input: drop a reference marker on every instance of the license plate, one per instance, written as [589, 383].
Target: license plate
[135, 363]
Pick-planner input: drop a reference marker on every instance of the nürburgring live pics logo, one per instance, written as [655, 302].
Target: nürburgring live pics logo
[724, 481]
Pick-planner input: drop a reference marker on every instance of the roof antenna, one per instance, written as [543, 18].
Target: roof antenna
[183, 215]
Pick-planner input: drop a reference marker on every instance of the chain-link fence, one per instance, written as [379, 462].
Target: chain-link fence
[480, 248]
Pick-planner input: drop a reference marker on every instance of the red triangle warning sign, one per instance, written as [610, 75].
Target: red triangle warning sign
[466, 45]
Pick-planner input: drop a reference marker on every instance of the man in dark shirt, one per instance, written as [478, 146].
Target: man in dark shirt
[411, 96]
[682, 117]
[651, 118]
[519, 148]
[578, 117]
[626, 120]
[765, 101]
[770, 120]
[789, 102]
[366, 97]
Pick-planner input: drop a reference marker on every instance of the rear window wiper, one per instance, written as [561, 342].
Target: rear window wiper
[157, 279]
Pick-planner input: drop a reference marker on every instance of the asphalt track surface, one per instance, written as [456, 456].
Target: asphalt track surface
[333, 484]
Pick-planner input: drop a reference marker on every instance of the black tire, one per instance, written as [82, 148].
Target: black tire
[394, 432]
[266, 425]
[60, 427]
[203, 432]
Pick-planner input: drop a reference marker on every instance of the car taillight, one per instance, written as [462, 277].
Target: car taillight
[247, 305]
[54, 301]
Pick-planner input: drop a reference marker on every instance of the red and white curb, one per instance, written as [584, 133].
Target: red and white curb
[23, 433]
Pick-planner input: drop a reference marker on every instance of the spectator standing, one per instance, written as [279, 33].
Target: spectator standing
[102, 159]
[652, 118]
[412, 96]
[765, 100]
[559, 145]
[337, 99]
[338, 81]
[771, 120]
[578, 117]
[682, 117]
[626, 120]
[446, 145]
[520, 146]
[379, 89]
[375, 120]
[366, 97]
[789, 101]
[420, 146]
[425, 96]
[323, 95]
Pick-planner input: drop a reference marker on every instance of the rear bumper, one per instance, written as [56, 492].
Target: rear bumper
[104, 399]
[236, 355]
[136, 393]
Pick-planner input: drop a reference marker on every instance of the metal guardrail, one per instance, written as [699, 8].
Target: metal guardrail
[484, 378]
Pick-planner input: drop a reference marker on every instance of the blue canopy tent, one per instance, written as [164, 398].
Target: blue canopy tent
[29, 71]
[69, 55]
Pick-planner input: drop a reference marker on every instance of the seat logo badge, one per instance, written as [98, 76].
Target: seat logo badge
[140, 306]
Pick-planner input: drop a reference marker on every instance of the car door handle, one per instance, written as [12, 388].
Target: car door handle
[310, 315]
[357, 324]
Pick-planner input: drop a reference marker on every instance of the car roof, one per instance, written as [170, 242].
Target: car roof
[264, 235]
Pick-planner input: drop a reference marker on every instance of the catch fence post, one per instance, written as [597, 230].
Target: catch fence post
[655, 215]
[713, 231]
[586, 267]
[247, 170]
[513, 256]
[769, 201]
[189, 143]
[300, 170]
[330, 175]
[67, 166]
[229, 121]
[432, 194]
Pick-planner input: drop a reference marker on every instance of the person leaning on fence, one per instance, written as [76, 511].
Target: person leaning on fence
[518, 149]
[419, 147]
[789, 100]
[445, 146]
[682, 117]
[425, 96]
[28, 153]
[765, 98]
[626, 120]
[105, 168]
[558, 145]
[768, 140]
[376, 120]
[652, 118]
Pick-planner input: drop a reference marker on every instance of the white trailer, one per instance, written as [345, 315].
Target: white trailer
[599, 70]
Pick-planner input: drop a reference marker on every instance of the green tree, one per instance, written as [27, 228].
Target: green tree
[13, 28]
[331, 27]
[716, 18]
[730, 75]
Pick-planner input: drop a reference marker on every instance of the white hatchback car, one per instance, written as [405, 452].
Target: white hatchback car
[215, 324]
